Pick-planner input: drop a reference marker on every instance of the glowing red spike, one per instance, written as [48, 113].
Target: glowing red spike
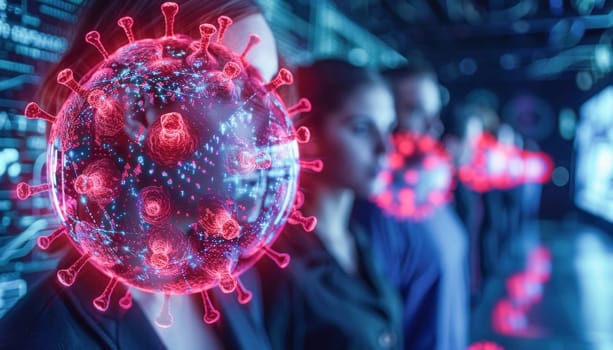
[165, 318]
[102, 302]
[302, 106]
[314, 165]
[284, 77]
[126, 23]
[303, 134]
[308, 223]
[211, 315]
[244, 295]
[45, 241]
[93, 38]
[281, 259]
[227, 283]
[253, 40]
[299, 200]
[169, 10]
[126, 300]
[206, 33]
[66, 78]
[68, 276]
[33, 111]
[224, 23]
[25, 191]
[231, 70]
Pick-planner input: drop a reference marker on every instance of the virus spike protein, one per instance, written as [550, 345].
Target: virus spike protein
[126, 301]
[45, 241]
[126, 23]
[254, 39]
[102, 302]
[165, 319]
[211, 315]
[33, 111]
[93, 38]
[25, 191]
[169, 10]
[137, 166]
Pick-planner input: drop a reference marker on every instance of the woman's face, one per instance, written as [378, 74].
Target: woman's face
[264, 55]
[353, 141]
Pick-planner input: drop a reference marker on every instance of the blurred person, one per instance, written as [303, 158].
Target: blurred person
[418, 105]
[498, 219]
[53, 316]
[334, 294]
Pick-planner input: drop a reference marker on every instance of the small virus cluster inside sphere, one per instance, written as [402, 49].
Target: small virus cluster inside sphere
[172, 166]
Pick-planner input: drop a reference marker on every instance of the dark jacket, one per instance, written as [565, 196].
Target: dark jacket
[406, 255]
[55, 317]
[315, 304]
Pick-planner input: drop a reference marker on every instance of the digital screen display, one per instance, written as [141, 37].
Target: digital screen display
[594, 162]
[33, 37]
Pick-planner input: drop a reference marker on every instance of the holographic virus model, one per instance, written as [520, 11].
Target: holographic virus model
[495, 165]
[419, 178]
[172, 167]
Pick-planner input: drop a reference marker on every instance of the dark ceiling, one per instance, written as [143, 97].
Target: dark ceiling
[515, 39]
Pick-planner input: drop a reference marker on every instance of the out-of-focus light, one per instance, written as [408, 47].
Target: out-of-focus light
[560, 176]
[521, 27]
[14, 170]
[584, 81]
[358, 56]
[468, 66]
[7, 156]
[602, 57]
[509, 61]
[445, 96]
[585, 7]
[567, 123]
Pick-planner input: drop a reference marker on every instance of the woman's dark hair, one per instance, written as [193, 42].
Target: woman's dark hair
[102, 15]
[327, 83]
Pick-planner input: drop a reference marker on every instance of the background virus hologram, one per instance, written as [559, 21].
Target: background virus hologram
[172, 166]
[418, 179]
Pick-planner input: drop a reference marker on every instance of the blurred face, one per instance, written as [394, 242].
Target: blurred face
[418, 105]
[353, 141]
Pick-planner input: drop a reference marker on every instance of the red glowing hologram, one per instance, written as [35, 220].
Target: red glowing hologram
[495, 165]
[485, 345]
[172, 167]
[419, 177]
[524, 291]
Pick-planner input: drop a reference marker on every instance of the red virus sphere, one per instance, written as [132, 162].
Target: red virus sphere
[493, 165]
[418, 179]
[172, 166]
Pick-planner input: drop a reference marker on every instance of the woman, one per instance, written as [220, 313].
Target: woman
[52, 316]
[333, 295]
